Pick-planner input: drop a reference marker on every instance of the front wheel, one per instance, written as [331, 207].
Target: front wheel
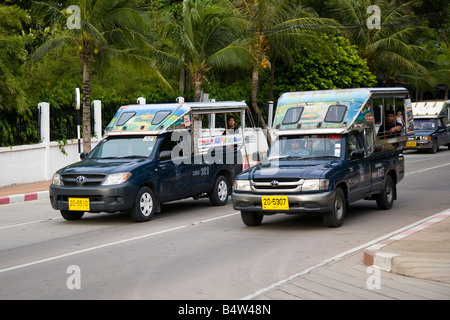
[434, 147]
[252, 218]
[335, 217]
[71, 215]
[144, 205]
[385, 200]
[219, 193]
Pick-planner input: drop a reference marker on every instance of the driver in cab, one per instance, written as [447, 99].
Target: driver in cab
[297, 148]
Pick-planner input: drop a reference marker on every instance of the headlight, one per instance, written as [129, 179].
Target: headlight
[56, 180]
[315, 184]
[241, 185]
[116, 178]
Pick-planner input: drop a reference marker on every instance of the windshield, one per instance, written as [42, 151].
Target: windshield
[124, 147]
[306, 147]
[425, 124]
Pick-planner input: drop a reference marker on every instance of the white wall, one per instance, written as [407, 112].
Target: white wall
[32, 163]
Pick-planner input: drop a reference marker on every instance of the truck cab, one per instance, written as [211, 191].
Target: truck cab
[329, 151]
[152, 154]
[431, 126]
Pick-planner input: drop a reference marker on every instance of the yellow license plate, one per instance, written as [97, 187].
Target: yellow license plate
[79, 204]
[275, 203]
[411, 144]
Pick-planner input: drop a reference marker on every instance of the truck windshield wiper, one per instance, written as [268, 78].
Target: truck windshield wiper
[107, 158]
[126, 157]
[286, 157]
[323, 157]
[134, 156]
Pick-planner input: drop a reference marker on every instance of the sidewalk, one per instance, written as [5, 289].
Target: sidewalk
[24, 192]
[411, 263]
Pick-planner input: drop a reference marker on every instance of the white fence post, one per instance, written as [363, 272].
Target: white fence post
[44, 109]
[98, 119]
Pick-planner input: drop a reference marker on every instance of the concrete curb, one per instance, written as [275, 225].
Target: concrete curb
[374, 256]
[15, 198]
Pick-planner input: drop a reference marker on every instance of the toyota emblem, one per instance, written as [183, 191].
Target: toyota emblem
[274, 183]
[80, 179]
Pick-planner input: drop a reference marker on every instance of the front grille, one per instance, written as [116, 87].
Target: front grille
[277, 185]
[90, 180]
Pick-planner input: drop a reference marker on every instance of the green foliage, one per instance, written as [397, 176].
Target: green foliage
[316, 71]
[396, 52]
[12, 57]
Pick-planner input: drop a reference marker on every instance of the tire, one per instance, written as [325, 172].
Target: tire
[144, 205]
[336, 216]
[220, 192]
[71, 215]
[434, 147]
[252, 218]
[385, 200]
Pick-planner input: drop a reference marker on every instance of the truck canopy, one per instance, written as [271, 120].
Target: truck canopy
[431, 109]
[164, 117]
[330, 111]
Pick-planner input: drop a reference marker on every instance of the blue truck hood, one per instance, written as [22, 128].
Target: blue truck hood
[304, 169]
[419, 133]
[101, 166]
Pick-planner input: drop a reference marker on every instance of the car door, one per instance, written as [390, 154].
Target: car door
[359, 177]
[174, 177]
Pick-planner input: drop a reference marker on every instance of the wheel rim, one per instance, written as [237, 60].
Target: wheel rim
[146, 204]
[339, 207]
[222, 190]
[389, 193]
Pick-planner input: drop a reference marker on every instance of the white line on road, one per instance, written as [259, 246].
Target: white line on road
[113, 243]
[30, 222]
[431, 168]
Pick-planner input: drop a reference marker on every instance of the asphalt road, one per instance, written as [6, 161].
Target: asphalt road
[192, 250]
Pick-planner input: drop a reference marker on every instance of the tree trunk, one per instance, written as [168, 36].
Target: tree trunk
[272, 79]
[86, 106]
[197, 79]
[254, 104]
[182, 80]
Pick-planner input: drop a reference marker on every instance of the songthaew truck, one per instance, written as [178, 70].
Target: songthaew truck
[332, 148]
[152, 154]
[431, 126]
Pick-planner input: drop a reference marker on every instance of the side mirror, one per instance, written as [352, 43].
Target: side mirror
[165, 155]
[83, 155]
[357, 154]
[256, 156]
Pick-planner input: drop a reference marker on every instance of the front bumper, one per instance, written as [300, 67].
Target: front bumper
[420, 145]
[101, 199]
[298, 203]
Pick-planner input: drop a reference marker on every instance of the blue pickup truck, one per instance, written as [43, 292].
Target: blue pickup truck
[147, 159]
[431, 126]
[328, 152]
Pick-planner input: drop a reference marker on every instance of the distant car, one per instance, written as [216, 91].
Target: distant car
[431, 126]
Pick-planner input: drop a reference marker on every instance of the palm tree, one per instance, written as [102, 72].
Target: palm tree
[389, 50]
[206, 37]
[275, 26]
[107, 31]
